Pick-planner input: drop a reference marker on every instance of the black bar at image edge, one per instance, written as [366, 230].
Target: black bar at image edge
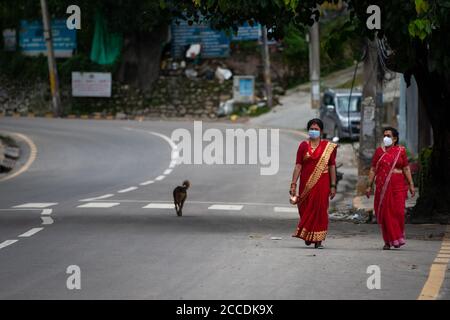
[229, 309]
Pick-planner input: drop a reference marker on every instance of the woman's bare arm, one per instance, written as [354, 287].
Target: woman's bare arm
[370, 181]
[408, 175]
[295, 177]
[332, 170]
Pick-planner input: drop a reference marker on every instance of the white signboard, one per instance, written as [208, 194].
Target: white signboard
[9, 38]
[91, 84]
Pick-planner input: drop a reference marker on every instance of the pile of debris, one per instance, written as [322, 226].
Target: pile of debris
[357, 216]
[9, 154]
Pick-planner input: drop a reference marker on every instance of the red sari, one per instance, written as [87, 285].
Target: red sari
[314, 190]
[391, 193]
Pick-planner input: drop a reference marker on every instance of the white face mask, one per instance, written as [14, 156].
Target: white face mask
[387, 141]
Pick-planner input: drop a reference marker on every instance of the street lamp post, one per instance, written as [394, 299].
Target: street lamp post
[52, 70]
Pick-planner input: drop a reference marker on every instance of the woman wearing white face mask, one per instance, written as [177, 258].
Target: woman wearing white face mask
[316, 169]
[392, 175]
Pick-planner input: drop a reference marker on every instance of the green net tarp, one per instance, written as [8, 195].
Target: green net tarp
[106, 46]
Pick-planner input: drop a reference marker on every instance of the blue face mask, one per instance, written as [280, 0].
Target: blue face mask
[314, 134]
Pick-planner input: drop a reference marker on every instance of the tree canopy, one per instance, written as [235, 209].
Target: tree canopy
[416, 31]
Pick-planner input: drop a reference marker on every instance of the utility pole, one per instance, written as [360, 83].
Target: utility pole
[371, 113]
[53, 73]
[266, 62]
[314, 64]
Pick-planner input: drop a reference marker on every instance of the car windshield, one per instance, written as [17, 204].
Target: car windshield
[355, 104]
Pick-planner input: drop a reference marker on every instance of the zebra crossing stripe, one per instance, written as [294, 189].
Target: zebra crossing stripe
[36, 205]
[226, 207]
[99, 205]
[159, 206]
[285, 209]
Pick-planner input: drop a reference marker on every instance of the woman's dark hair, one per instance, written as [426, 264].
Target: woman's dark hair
[315, 121]
[394, 133]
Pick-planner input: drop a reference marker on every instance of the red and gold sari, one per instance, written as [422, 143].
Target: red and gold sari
[391, 193]
[314, 190]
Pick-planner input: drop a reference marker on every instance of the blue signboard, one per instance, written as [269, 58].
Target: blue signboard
[31, 38]
[246, 87]
[215, 44]
[247, 32]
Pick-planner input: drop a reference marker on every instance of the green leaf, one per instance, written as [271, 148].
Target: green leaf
[419, 23]
[422, 35]
[422, 6]
[412, 29]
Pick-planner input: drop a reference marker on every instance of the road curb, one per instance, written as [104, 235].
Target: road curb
[362, 203]
[140, 119]
[99, 117]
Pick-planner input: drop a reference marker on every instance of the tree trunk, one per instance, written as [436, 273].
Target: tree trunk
[141, 58]
[434, 201]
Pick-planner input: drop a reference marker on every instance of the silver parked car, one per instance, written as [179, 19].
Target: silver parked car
[341, 115]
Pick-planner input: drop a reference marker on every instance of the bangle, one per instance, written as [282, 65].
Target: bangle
[293, 184]
[333, 186]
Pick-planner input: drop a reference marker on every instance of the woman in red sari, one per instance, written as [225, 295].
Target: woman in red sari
[316, 168]
[393, 179]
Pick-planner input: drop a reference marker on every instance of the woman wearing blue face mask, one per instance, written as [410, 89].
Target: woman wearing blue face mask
[393, 179]
[316, 168]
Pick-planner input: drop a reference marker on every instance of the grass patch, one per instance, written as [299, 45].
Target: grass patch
[249, 110]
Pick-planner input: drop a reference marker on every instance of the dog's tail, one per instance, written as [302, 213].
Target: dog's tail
[186, 184]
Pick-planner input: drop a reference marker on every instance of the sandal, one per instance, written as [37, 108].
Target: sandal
[387, 247]
[308, 243]
[318, 245]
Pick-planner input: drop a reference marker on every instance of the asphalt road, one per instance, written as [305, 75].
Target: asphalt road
[135, 248]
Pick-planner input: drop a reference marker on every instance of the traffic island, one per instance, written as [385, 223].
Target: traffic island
[9, 154]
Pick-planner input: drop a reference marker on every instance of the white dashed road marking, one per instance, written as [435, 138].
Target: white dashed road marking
[31, 232]
[173, 163]
[174, 157]
[99, 205]
[98, 198]
[128, 190]
[285, 209]
[46, 212]
[7, 243]
[47, 221]
[36, 205]
[146, 183]
[225, 207]
[159, 206]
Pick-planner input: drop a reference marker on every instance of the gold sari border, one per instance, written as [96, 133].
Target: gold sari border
[312, 236]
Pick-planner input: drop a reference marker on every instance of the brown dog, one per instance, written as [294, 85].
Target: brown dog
[179, 196]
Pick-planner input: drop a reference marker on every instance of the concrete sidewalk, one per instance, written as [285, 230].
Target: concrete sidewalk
[362, 203]
[294, 113]
[295, 110]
